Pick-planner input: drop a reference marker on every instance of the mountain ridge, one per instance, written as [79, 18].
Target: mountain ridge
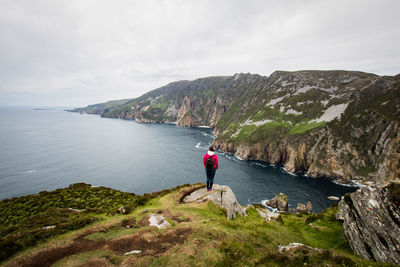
[332, 123]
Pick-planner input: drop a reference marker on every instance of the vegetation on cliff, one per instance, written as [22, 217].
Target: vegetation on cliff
[199, 234]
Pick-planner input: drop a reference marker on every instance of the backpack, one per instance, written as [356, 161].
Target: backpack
[210, 162]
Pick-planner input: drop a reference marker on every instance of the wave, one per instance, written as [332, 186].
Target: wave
[260, 164]
[263, 202]
[29, 171]
[353, 185]
[288, 172]
[208, 135]
[200, 147]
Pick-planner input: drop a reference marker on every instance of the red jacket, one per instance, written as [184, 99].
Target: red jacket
[215, 160]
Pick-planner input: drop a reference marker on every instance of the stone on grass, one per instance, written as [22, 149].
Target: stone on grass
[49, 227]
[221, 195]
[133, 252]
[158, 221]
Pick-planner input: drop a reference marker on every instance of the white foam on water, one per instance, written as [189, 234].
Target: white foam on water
[259, 164]
[263, 202]
[198, 145]
[208, 135]
[347, 185]
[29, 171]
[239, 158]
[288, 172]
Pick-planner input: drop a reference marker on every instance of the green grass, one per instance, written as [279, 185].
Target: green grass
[82, 258]
[302, 128]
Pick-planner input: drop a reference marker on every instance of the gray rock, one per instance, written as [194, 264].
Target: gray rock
[333, 198]
[75, 210]
[158, 221]
[302, 208]
[133, 252]
[221, 195]
[291, 246]
[123, 210]
[49, 227]
[279, 202]
[268, 215]
[372, 223]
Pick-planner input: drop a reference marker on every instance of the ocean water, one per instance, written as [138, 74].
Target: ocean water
[49, 149]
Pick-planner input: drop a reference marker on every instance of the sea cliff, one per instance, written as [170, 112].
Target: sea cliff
[338, 124]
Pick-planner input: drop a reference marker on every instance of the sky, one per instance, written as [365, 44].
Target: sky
[74, 53]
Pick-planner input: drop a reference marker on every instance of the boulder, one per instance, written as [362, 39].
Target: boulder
[158, 221]
[333, 198]
[371, 221]
[123, 210]
[221, 195]
[279, 202]
[268, 215]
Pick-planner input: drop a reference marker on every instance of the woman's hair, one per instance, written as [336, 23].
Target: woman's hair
[211, 148]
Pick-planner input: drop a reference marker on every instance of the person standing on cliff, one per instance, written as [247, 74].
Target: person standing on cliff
[210, 162]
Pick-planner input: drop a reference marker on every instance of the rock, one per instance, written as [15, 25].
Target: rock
[268, 215]
[221, 195]
[49, 227]
[309, 206]
[291, 246]
[279, 202]
[133, 252]
[371, 220]
[158, 221]
[333, 198]
[75, 210]
[123, 210]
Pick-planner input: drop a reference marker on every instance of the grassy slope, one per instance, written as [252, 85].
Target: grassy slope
[201, 235]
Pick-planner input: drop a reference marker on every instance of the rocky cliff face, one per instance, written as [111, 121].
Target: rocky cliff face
[371, 219]
[337, 124]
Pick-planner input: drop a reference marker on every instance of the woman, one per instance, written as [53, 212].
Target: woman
[210, 162]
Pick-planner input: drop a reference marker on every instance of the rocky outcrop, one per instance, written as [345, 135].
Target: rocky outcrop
[303, 208]
[371, 220]
[279, 202]
[221, 195]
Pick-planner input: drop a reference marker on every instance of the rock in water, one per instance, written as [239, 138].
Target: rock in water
[333, 198]
[371, 220]
[279, 202]
[221, 195]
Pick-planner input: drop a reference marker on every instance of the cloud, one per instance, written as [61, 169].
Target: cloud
[82, 52]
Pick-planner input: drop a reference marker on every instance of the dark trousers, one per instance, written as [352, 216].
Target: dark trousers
[210, 177]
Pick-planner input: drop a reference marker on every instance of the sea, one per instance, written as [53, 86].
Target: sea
[46, 149]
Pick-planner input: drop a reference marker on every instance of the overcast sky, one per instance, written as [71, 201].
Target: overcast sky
[75, 53]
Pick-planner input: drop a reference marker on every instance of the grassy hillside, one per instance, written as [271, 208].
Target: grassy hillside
[199, 233]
